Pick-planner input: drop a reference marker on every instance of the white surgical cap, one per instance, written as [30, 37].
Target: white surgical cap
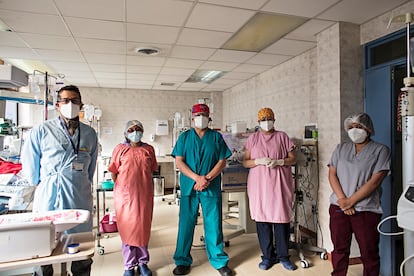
[363, 119]
[133, 123]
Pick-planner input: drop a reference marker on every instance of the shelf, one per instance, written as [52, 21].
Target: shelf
[21, 97]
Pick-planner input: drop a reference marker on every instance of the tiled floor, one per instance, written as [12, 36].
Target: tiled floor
[244, 252]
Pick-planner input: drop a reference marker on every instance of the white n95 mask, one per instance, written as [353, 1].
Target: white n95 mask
[201, 122]
[135, 136]
[357, 135]
[266, 125]
[70, 110]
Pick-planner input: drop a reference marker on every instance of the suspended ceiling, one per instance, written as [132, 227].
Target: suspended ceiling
[93, 42]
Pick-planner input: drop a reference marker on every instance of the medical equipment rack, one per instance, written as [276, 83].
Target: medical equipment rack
[310, 150]
[99, 190]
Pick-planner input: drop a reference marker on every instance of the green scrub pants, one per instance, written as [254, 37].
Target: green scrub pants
[213, 232]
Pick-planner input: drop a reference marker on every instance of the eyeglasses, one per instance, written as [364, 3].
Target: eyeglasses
[132, 129]
[67, 100]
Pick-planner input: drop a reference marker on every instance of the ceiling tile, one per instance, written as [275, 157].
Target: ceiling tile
[358, 12]
[34, 23]
[39, 41]
[268, 59]
[245, 4]
[109, 75]
[58, 55]
[298, 7]
[176, 71]
[172, 13]
[38, 6]
[147, 61]
[79, 74]
[289, 47]
[100, 29]
[193, 85]
[101, 46]
[11, 39]
[309, 30]
[191, 52]
[61, 66]
[22, 53]
[94, 9]
[203, 38]
[238, 75]
[141, 77]
[209, 17]
[183, 63]
[251, 68]
[172, 78]
[157, 85]
[231, 56]
[151, 33]
[143, 69]
[104, 58]
[108, 68]
[216, 65]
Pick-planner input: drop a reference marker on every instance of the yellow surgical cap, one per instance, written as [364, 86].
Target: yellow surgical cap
[265, 113]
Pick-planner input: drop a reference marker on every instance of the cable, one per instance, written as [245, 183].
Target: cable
[403, 263]
[388, 234]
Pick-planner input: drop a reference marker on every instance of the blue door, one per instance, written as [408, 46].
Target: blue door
[382, 86]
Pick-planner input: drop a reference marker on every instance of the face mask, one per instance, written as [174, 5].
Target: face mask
[266, 125]
[70, 110]
[201, 122]
[135, 136]
[357, 135]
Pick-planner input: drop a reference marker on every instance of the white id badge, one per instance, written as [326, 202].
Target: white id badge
[76, 166]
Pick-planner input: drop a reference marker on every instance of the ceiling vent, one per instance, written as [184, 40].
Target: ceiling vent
[147, 51]
[167, 83]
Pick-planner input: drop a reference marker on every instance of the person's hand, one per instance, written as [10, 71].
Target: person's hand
[275, 163]
[345, 203]
[262, 161]
[351, 211]
[201, 183]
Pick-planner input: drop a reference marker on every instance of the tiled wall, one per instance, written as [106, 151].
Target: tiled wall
[319, 86]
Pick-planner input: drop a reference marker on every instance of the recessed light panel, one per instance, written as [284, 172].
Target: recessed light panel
[262, 30]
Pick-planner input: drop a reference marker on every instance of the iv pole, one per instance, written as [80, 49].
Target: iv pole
[408, 143]
[46, 92]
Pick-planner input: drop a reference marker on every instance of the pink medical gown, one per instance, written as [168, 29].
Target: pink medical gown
[134, 191]
[270, 190]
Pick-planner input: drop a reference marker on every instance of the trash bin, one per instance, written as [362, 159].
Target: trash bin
[159, 183]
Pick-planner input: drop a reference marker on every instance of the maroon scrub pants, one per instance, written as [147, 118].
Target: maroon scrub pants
[364, 227]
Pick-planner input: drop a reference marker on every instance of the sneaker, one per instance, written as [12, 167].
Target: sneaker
[266, 264]
[129, 272]
[181, 270]
[225, 271]
[288, 265]
[144, 270]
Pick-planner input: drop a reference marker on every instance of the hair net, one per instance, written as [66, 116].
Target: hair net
[264, 113]
[362, 119]
[133, 123]
[200, 108]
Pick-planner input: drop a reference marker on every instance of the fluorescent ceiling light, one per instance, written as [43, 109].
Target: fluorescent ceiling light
[205, 76]
[262, 30]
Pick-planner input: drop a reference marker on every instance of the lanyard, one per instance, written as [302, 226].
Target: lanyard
[75, 149]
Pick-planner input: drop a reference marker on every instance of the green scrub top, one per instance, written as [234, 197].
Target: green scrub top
[201, 155]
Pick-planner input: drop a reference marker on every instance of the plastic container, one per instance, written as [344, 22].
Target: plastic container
[108, 224]
[107, 185]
